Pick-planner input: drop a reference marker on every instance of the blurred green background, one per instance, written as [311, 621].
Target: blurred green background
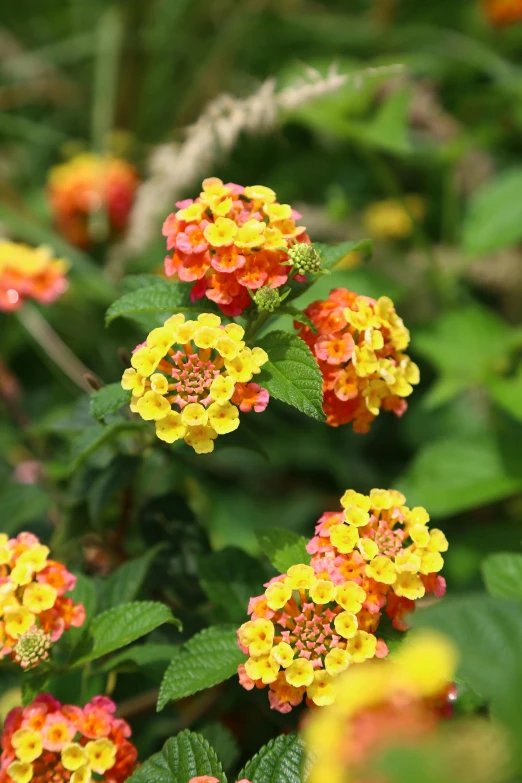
[445, 128]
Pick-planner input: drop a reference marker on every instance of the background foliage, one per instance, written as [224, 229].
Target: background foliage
[142, 525]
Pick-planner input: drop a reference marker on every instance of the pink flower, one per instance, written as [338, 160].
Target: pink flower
[192, 240]
[57, 731]
[250, 395]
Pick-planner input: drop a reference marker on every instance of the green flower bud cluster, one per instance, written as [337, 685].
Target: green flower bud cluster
[32, 647]
[305, 258]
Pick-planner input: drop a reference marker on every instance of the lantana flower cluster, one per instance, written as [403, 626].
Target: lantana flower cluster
[376, 541]
[501, 13]
[231, 240]
[359, 346]
[86, 184]
[316, 620]
[49, 741]
[302, 634]
[29, 273]
[389, 703]
[34, 609]
[192, 378]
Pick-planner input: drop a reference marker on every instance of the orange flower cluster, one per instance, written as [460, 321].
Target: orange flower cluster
[84, 185]
[359, 346]
[32, 599]
[29, 273]
[231, 240]
[379, 543]
[50, 742]
[501, 13]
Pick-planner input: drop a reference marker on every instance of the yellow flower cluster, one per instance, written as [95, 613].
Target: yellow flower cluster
[393, 220]
[187, 376]
[29, 273]
[398, 699]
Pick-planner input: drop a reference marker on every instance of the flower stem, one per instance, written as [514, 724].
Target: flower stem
[45, 336]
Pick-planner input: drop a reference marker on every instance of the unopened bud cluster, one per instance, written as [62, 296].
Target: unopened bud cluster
[305, 258]
[32, 647]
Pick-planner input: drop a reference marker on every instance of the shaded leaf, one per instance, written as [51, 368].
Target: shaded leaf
[108, 400]
[503, 575]
[291, 374]
[183, 757]
[229, 578]
[94, 437]
[283, 760]
[124, 584]
[207, 659]
[283, 547]
[141, 655]
[494, 217]
[20, 504]
[161, 297]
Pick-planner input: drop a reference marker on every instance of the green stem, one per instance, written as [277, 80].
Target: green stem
[255, 324]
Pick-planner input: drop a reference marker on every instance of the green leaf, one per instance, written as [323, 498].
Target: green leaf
[331, 255]
[502, 573]
[453, 474]
[20, 504]
[124, 584]
[94, 437]
[494, 217]
[120, 626]
[283, 760]
[141, 655]
[84, 593]
[108, 400]
[230, 578]
[291, 374]
[108, 482]
[507, 392]
[183, 757]
[390, 126]
[283, 547]
[207, 659]
[466, 346]
[161, 297]
[33, 686]
[488, 633]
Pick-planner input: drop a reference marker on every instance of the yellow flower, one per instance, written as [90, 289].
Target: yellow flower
[227, 347]
[350, 596]
[357, 516]
[264, 668]
[27, 744]
[283, 654]
[419, 534]
[274, 239]
[250, 234]
[409, 585]
[21, 574]
[344, 537]
[346, 624]
[17, 622]
[391, 219]
[299, 673]
[224, 418]
[222, 388]
[337, 660]
[201, 439]
[81, 775]
[39, 597]
[301, 577]
[159, 383]
[368, 548]
[20, 772]
[162, 338]
[260, 193]
[322, 592]
[258, 636]
[361, 646]
[221, 233]
[382, 569]
[277, 594]
[431, 562]
[145, 360]
[74, 756]
[207, 336]
[194, 415]
[185, 331]
[321, 690]
[191, 214]
[152, 406]
[407, 561]
[102, 754]
[171, 427]
[352, 498]
[380, 499]
[438, 541]
[278, 211]
[35, 557]
[132, 380]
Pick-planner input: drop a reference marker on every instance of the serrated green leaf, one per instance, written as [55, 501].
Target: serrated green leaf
[163, 297]
[283, 547]
[207, 659]
[331, 255]
[124, 584]
[22, 503]
[183, 757]
[502, 573]
[108, 400]
[283, 760]
[120, 626]
[223, 742]
[494, 217]
[291, 374]
[230, 578]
